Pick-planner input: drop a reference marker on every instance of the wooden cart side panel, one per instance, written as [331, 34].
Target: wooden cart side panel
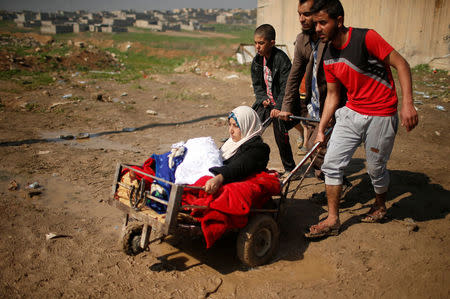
[173, 208]
[116, 179]
[156, 221]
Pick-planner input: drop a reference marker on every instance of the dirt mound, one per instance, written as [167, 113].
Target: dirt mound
[94, 59]
[37, 58]
[41, 39]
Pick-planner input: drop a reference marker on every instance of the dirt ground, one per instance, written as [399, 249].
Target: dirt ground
[396, 259]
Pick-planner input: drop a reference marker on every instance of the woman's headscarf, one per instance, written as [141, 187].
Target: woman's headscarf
[250, 126]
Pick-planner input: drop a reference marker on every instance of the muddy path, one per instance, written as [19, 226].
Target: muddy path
[393, 259]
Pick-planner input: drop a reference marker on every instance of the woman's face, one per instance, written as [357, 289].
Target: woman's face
[235, 132]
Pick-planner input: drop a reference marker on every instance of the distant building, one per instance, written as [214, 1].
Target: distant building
[7, 16]
[43, 16]
[190, 26]
[113, 29]
[77, 27]
[117, 21]
[56, 29]
[155, 26]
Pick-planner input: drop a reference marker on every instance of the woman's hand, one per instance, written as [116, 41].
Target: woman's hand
[212, 185]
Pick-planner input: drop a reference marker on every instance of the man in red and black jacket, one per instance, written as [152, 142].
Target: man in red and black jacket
[360, 61]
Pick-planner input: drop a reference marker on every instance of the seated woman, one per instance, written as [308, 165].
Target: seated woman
[244, 153]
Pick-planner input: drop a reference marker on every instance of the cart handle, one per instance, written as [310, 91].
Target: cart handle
[160, 179]
[305, 118]
[309, 154]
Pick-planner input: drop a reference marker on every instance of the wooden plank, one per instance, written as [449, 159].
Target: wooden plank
[148, 216]
[116, 179]
[146, 230]
[172, 208]
[124, 226]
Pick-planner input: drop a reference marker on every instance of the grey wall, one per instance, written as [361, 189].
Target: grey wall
[418, 29]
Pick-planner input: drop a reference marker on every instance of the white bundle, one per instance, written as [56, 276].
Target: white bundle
[202, 154]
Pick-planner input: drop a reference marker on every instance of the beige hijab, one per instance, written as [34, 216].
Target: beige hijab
[250, 126]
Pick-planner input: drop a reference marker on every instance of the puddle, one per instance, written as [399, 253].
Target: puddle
[309, 269]
[93, 142]
[73, 197]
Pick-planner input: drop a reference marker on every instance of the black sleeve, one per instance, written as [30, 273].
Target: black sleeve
[249, 159]
[259, 86]
[284, 74]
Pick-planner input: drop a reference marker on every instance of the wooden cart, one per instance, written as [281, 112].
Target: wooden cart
[257, 242]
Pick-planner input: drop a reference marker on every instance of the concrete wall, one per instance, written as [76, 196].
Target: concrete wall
[418, 29]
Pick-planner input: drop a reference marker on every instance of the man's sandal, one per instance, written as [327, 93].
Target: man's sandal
[374, 216]
[318, 231]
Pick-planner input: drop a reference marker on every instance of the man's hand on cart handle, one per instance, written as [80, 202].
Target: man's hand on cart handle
[274, 113]
[320, 137]
[284, 115]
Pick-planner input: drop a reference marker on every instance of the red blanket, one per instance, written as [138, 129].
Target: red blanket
[147, 168]
[230, 206]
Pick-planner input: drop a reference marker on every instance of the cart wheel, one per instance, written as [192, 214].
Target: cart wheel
[132, 239]
[258, 241]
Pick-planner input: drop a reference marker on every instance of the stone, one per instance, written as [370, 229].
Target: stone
[151, 112]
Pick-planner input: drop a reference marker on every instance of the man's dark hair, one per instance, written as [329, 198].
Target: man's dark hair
[266, 31]
[333, 8]
[303, 1]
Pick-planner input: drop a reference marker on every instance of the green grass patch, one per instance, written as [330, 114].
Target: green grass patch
[200, 45]
[137, 64]
[31, 106]
[421, 68]
[242, 32]
[28, 79]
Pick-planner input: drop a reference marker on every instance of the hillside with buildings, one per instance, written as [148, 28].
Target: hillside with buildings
[188, 19]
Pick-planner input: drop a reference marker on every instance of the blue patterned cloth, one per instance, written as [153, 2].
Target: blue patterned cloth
[314, 106]
[163, 171]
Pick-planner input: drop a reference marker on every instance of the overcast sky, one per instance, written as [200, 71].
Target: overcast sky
[98, 5]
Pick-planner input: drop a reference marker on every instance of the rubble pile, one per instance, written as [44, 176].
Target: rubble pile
[28, 54]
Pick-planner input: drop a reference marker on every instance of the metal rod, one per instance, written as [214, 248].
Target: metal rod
[305, 158]
[264, 210]
[304, 174]
[125, 186]
[194, 207]
[304, 118]
[148, 175]
[193, 187]
[159, 179]
[205, 208]
[300, 164]
[161, 201]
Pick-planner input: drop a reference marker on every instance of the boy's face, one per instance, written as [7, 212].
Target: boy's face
[263, 47]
